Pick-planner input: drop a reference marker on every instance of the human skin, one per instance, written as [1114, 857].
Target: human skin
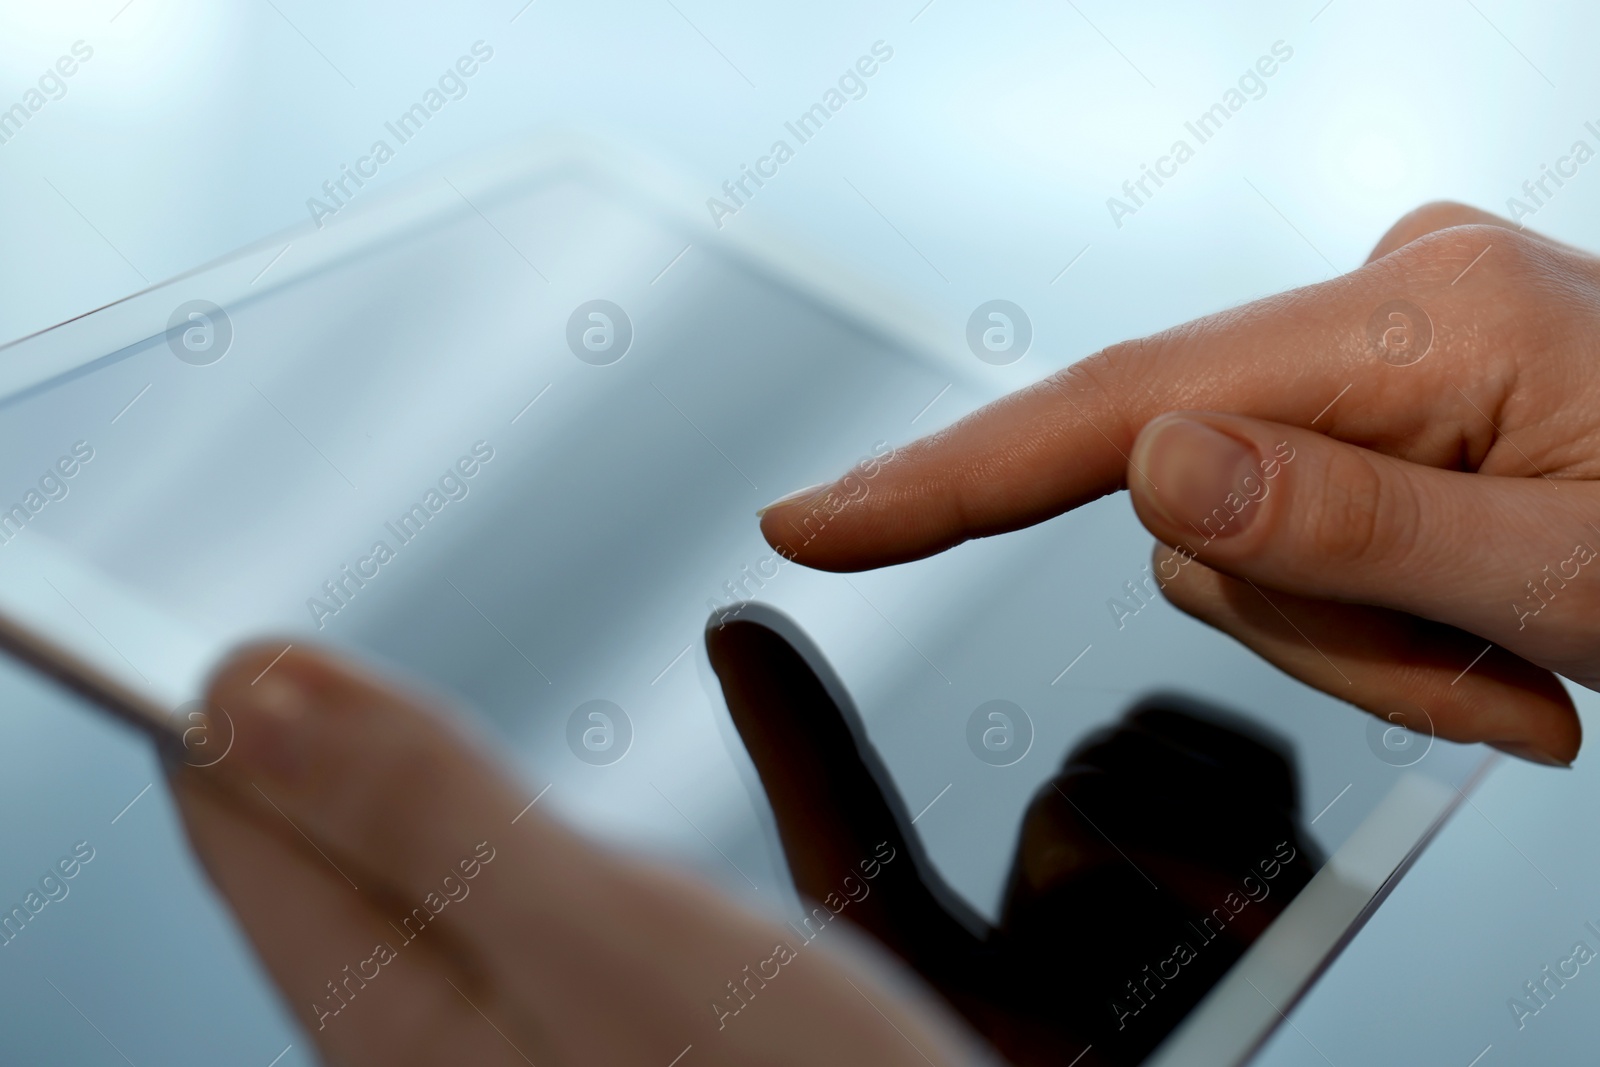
[1390, 551]
[1412, 529]
[346, 800]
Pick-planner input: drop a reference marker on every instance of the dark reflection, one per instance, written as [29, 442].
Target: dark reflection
[1165, 845]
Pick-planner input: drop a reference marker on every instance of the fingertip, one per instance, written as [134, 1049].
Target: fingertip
[775, 521]
[243, 666]
[1501, 699]
[1556, 736]
[254, 709]
[282, 708]
[1532, 754]
[769, 522]
[793, 498]
[799, 527]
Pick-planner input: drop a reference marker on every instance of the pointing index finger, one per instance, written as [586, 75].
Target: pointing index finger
[1305, 358]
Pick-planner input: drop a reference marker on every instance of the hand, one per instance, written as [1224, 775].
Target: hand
[411, 915]
[1376, 483]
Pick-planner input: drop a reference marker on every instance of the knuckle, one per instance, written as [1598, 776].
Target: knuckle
[1507, 289]
[1096, 375]
[1116, 382]
[1358, 516]
[1505, 302]
[1429, 218]
[1498, 256]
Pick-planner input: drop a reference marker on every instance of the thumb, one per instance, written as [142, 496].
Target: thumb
[1286, 508]
[544, 952]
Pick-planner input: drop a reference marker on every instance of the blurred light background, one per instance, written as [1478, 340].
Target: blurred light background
[977, 165]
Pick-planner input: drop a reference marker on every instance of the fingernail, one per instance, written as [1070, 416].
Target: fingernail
[1196, 477]
[1531, 754]
[271, 716]
[798, 494]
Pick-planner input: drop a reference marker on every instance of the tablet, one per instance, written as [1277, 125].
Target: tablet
[507, 428]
